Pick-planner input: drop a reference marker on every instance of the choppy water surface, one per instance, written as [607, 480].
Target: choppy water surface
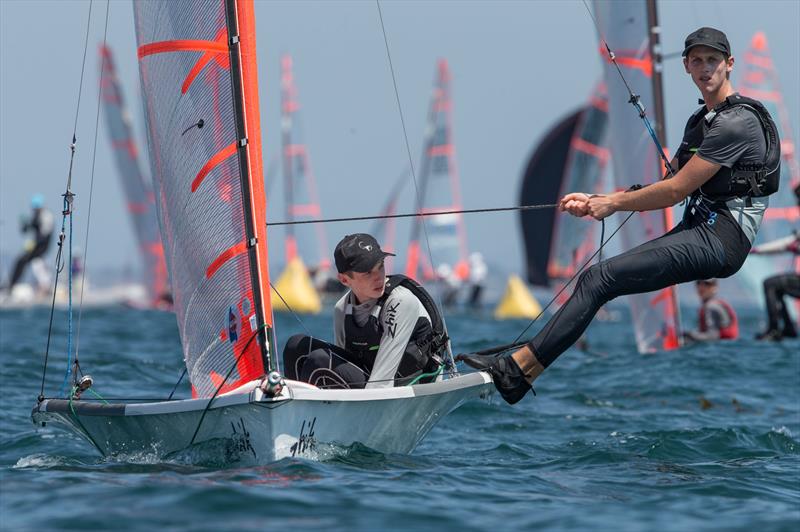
[702, 438]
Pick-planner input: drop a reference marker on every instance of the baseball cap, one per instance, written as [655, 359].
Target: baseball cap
[713, 38]
[358, 253]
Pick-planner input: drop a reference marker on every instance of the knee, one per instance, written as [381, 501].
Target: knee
[296, 344]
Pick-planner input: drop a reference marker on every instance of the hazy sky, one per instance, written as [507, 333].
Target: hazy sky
[516, 67]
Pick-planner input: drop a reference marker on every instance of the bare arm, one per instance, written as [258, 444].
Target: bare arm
[656, 196]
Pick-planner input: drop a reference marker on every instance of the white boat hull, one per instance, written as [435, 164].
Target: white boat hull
[252, 428]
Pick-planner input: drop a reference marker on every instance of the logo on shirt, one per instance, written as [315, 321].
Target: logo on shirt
[391, 318]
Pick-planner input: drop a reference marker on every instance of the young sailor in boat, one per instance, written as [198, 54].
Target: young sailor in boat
[728, 162]
[716, 320]
[387, 330]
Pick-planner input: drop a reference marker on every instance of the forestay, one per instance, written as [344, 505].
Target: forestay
[198, 73]
[627, 27]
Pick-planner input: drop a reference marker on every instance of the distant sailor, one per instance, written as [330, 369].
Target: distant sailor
[40, 223]
[728, 162]
[387, 330]
[716, 320]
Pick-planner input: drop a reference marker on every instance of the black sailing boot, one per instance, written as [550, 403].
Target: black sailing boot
[506, 375]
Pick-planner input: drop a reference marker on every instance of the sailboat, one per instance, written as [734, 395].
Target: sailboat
[439, 190]
[200, 87]
[631, 29]
[572, 156]
[385, 227]
[759, 80]
[141, 205]
[294, 287]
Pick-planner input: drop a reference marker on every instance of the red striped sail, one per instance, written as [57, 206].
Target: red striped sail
[197, 65]
[302, 199]
[576, 239]
[759, 80]
[628, 28]
[439, 191]
[139, 195]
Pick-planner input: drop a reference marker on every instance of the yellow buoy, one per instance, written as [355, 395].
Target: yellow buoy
[517, 302]
[295, 285]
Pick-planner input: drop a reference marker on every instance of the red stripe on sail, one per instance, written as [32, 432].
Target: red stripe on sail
[220, 55]
[592, 149]
[758, 60]
[782, 213]
[220, 156]
[413, 260]
[770, 96]
[127, 145]
[293, 150]
[645, 64]
[180, 45]
[291, 248]
[138, 208]
[224, 257]
[305, 210]
[442, 149]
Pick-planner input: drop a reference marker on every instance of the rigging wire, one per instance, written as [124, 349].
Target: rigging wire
[91, 189]
[67, 211]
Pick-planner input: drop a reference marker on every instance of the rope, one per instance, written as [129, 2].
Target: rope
[417, 214]
[432, 374]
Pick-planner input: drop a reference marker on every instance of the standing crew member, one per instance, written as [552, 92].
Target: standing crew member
[717, 319]
[388, 331]
[40, 223]
[780, 324]
[728, 162]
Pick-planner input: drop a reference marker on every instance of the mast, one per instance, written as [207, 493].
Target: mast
[239, 16]
[654, 31]
[287, 109]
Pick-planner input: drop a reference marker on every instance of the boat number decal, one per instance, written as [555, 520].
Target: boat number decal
[306, 440]
[233, 324]
[241, 438]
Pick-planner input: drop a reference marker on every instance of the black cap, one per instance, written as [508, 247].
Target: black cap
[710, 37]
[358, 253]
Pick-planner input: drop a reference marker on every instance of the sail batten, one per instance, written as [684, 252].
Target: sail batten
[201, 102]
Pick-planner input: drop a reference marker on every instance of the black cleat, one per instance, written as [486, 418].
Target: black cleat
[506, 375]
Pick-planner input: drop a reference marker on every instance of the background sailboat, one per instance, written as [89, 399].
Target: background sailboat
[439, 190]
[630, 30]
[139, 195]
[759, 80]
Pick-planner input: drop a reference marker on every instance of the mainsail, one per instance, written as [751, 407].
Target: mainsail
[302, 199]
[631, 30]
[759, 80]
[139, 195]
[439, 191]
[197, 66]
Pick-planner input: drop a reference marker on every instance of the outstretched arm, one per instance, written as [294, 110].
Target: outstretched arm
[656, 196]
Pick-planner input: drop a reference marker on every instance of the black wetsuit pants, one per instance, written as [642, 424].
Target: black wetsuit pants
[322, 364]
[687, 253]
[26, 258]
[775, 288]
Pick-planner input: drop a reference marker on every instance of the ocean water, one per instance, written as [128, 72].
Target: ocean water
[704, 438]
